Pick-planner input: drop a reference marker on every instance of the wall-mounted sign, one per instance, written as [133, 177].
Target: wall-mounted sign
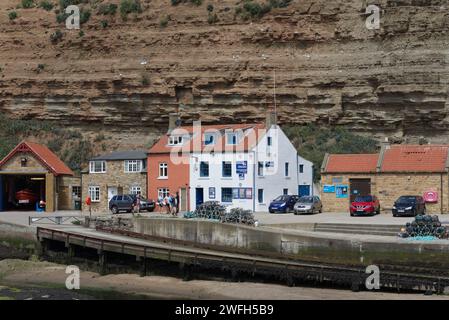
[329, 189]
[336, 180]
[430, 196]
[341, 191]
[242, 167]
[211, 192]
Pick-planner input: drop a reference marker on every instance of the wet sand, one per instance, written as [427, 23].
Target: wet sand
[31, 274]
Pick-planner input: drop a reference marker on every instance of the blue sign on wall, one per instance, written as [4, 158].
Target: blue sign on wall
[341, 191]
[242, 167]
[329, 189]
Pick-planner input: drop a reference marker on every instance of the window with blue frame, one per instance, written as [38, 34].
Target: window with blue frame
[226, 169]
[204, 169]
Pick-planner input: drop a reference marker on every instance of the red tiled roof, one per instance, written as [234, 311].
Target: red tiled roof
[354, 163]
[196, 142]
[43, 154]
[415, 158]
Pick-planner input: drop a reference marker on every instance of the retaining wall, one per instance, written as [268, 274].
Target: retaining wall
[303, 245]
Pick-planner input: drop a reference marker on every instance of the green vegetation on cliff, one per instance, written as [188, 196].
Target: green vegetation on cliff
[313, 142]
[69, 145]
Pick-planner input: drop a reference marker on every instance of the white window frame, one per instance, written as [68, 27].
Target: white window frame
[287, 169]
[92, 168]
[92, 192]
[232, 134]
[135, 190]
[163, 192]
[209, 134]
[175, 140]
[133, 166]
[162, 166]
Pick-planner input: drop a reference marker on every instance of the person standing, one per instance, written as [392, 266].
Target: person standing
[138, 200]
[167, 204]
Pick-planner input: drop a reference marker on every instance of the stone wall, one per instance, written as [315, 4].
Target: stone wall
[15, 165]
[390, 186]
[115, 176]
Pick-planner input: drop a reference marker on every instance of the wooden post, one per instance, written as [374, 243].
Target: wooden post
[49, 192]
[70, 253]
[102, 261]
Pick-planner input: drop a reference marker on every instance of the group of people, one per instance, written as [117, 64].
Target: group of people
[169, 204]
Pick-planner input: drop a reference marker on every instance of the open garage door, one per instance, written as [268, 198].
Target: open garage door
[22, 192]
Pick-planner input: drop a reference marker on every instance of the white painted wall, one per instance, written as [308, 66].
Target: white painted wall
[274, 183]
[216, 179]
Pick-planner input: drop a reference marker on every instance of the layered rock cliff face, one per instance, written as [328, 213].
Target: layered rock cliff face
[126, 77]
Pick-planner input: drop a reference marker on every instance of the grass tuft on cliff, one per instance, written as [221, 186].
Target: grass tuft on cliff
[313, 142]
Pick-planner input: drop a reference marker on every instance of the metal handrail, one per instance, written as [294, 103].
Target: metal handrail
[54, 219]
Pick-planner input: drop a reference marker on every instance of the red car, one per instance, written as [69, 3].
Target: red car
[364, 205]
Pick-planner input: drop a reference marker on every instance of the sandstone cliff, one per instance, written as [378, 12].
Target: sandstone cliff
[125, 76]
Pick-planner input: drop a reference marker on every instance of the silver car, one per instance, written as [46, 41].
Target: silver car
[308, 204]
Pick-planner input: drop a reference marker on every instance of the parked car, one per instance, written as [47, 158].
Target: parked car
[126, 203]
[409, 206]
[283, 204]
[308, 204]
[364, 205]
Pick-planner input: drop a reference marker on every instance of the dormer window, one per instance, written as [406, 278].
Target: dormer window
[175, 140]
[209, 139]
[231, 138]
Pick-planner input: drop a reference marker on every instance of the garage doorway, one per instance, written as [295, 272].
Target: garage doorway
[22, 192]
[359, 187]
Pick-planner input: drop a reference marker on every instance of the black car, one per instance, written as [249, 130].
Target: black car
[284, 204]
[126, 203]
[409, 206]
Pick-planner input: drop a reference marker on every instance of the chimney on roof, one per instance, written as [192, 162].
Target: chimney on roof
[173, 121]
[384, 146]
[271, 119]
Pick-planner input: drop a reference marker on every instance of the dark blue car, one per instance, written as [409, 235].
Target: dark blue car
[283, 204]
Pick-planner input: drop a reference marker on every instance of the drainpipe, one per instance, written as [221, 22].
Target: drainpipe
[254, 182]
[441, 191]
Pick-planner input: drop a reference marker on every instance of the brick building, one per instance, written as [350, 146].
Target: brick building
[117, 173]
[396, 170]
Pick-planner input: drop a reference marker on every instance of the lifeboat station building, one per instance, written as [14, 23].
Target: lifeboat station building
[397, 170]
[32, 173]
